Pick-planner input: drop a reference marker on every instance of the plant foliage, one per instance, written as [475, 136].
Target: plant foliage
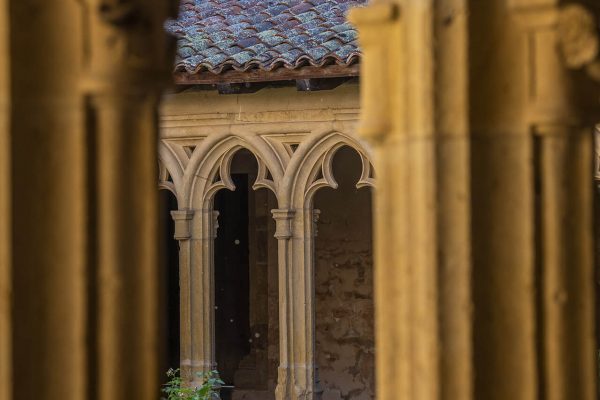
[176, 389]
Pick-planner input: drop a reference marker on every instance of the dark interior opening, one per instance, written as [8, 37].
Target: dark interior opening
[232, 279]
[246, 287]
[169, 281]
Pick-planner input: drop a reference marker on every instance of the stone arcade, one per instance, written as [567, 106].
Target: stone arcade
[294, 149]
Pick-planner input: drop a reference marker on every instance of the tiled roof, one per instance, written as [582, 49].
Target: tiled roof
[219, 35]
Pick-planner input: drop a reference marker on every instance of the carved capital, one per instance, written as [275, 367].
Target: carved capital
[283, 223]
[579, 39]
[378, 25]
[182, 220]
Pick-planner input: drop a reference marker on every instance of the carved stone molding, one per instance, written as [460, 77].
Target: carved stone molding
[182, 220]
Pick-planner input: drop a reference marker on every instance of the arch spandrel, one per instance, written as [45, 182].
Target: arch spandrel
[170, 173]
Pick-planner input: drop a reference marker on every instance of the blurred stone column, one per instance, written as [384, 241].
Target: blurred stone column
[85, 78]
[484, 163]
[415, 113]
[126, 65]
[50, 201]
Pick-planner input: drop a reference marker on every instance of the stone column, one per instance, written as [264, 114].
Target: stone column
[183, 233]
[484, 183]
[563, 152]
[283, 233]
[297, 372]
[50, 245]
[125, 61]
[83, 160]
[415, 115]
[202, 294]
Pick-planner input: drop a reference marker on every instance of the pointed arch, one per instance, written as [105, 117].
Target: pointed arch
[209, 167]
[311, 167]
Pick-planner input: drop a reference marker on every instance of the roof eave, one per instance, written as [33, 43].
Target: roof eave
[259, 75]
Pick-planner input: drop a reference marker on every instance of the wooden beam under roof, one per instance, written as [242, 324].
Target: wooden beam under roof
[259, 75]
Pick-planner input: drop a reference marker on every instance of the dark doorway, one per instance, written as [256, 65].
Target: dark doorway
[246, 289]
[232, 282]
[169, 281]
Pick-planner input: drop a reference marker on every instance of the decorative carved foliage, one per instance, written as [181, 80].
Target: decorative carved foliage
[579, 40]
[577, 29]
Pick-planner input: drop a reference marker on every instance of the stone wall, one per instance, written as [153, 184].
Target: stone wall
[344, 286]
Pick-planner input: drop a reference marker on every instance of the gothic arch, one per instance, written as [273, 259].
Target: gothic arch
[208, 170]
[311, 167]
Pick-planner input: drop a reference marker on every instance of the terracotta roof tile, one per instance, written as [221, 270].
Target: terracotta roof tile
[218, 35]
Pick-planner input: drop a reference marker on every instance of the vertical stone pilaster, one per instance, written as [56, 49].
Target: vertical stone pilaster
[183, 233]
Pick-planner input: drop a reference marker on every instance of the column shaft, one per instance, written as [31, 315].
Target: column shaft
[421, 209]
[126, 63]
[483, 201]
[297, 371]
[203, 292]
[127, 269]
[564, 263]
[49, 201]
[183, 234]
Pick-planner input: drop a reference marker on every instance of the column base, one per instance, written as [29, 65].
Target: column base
[289, 385]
